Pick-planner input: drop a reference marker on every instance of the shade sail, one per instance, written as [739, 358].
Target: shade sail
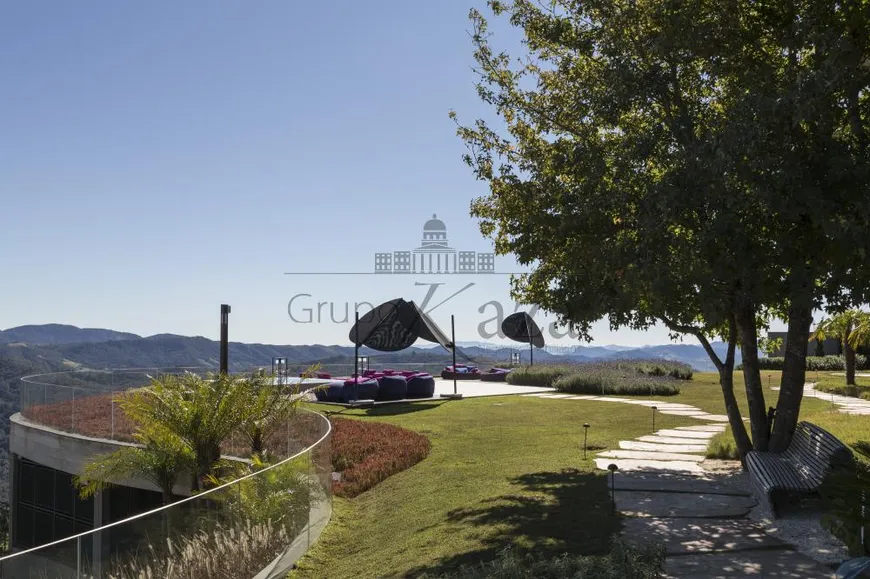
[522, 328]
[394, 326]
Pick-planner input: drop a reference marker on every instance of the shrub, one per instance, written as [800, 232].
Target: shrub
[855, 391]
[608, 381]
[652, 367]
[846, 493]
[622, 562]
[542, 376]
[366, 453]
[722, 446]
[814, 363]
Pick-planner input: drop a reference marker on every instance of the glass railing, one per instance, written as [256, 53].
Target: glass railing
[261, 521]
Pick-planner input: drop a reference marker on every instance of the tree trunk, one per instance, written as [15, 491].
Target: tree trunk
[849, 353]
[794, 370]
[746, 326]
[738, 428]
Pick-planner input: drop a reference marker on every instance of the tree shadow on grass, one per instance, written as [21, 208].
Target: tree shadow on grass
[558, 512]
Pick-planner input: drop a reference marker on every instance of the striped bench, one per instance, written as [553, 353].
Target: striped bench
[812, 454]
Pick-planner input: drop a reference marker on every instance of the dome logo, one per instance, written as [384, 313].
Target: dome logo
[434, 256]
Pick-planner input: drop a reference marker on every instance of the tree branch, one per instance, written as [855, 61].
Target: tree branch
[695, 331]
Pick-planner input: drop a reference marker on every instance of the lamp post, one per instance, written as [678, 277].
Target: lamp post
[612, 468]
[654, 408]
[225, 333]
[585, 436]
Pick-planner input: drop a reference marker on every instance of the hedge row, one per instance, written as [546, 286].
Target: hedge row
[635, 377]
[814, 363]
[366, 453]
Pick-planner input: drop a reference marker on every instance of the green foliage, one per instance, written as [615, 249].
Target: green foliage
[626, 377]
[541, 375]
[613, 382]
[816, 363]
[846, 492]
[722, 447]
[622, 562]
[649, 167]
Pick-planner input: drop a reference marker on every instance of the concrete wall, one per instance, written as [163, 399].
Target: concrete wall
[67, 451]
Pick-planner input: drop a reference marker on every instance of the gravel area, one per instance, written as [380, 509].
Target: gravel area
[802, 529]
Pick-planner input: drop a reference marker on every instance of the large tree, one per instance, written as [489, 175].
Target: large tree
[852, 329]
[698, 164]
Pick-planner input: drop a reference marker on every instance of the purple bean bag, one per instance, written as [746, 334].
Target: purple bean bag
[392, 388]
[332, 392]
[421, 385]
[495, 375]
[365, 389]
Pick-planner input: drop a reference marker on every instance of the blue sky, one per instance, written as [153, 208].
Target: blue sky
[160, 158]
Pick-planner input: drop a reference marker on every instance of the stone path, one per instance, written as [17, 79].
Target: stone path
[701, 521]
[846, 404]
[678, 449]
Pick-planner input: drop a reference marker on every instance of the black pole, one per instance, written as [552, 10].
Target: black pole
[453, 343]
[531, 352]
[585, 435]
[225, 337]
[356, 355]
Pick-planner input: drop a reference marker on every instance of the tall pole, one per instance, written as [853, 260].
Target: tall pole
[453, 343]
[356, 355]
[531, 352]
[225, 337]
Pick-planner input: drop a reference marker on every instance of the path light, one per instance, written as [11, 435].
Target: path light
[654, 408]
[612, 468]
[585, 435]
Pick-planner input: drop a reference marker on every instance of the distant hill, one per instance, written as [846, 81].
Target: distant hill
[50, 334]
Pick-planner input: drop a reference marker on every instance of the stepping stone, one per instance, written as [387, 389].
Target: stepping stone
[715, 417]
[766, 563]
[681, 448]
[681, 483]
[661, 504]
[685, 434]
[651, 454]
[668, 439]
[690, 413]
[584, 397]
[689, 536]
[703, 428]
[629, 464]
[556, 395]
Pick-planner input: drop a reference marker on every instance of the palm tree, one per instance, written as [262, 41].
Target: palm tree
[201, 412]
[852, 329]
[270, 404]
[161, 458]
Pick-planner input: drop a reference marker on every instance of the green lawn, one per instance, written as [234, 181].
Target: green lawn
[503, 471]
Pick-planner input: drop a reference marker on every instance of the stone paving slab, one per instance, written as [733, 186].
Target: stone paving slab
[681, 483]
[688, 536]
[682, 448]
[668, 439]
[703, 428]
[766, 564]
[691, 413]
[674, 433]
[714, 417]
[681, 505]
[651, 455]
[630, 464]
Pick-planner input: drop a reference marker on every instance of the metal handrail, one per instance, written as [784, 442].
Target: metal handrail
[176, 503]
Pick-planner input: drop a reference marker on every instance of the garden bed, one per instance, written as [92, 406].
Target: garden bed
[620, 377]
[366, 453]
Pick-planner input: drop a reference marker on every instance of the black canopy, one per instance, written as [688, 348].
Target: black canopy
[394, 326]
[522, 328]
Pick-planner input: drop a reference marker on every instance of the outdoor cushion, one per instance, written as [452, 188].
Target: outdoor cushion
[323, 375]
[495, 375]
[332, 392]
[392, 388]
[421, 386]
[365, 389]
